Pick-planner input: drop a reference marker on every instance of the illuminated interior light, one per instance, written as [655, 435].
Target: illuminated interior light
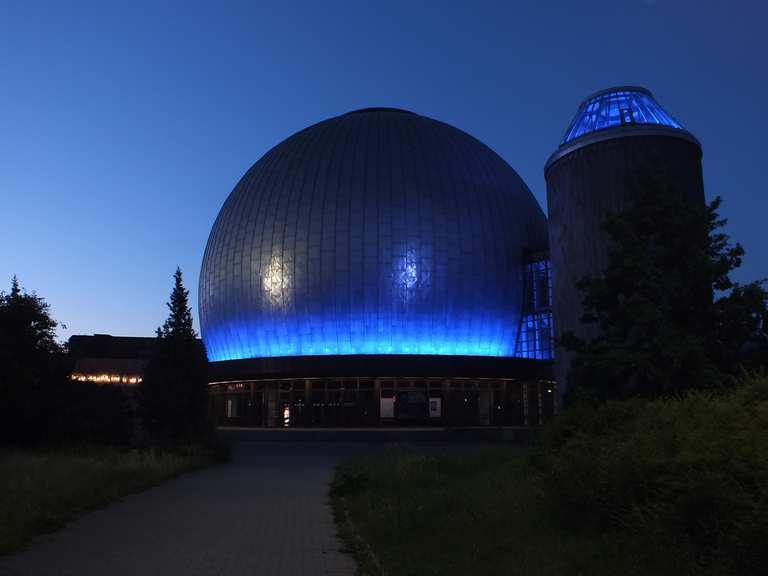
[618, 107]
[106, 378]
[286, 415]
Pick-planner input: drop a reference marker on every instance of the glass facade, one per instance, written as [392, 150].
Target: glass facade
[536, 329]
[620, 107]
[375, 232]
[339, 402]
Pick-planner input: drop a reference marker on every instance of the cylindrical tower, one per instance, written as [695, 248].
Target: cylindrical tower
[615, 133]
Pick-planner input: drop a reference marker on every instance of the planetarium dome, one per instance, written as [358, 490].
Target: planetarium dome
[376, 232]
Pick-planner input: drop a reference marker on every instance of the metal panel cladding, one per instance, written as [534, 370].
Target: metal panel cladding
[376, 232]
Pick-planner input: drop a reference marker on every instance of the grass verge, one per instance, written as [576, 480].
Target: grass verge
[42, 490]
[411, 513]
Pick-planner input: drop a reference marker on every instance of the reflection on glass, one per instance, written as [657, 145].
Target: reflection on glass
[276, 282]
[411, 279]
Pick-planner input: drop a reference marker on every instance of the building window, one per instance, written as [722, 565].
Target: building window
[536, 332]
[231, 407]
[536, 336]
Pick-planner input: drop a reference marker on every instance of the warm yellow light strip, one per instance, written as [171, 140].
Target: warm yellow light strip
[106, 378]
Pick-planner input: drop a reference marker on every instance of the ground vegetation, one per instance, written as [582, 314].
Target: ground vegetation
[68, 446]
[41, 490]
[673, 486]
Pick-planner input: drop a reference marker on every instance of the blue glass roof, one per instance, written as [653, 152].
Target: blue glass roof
[625, 106]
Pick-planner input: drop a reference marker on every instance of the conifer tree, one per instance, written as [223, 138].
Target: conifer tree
[179, 322]
[15, 288]
[173, 395]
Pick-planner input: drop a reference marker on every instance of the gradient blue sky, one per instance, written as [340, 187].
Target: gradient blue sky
[125, 125]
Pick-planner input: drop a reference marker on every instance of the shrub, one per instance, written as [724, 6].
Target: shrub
[686, 472]
[53, 409]
[173, 396]
[95, 414]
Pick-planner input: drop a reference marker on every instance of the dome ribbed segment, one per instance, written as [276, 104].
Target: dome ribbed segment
[377, 232]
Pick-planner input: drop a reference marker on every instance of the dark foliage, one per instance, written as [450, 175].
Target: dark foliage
[39, 404]
[26, 325]
[27, 337]
[740, 337]
[94, 414]
[27, 343]
[688, 474]
[179, 322]
[173, 395]
[669, 316]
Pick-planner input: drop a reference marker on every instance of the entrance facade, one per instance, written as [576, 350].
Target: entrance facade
[367, 402]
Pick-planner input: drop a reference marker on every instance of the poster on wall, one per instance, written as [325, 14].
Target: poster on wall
[388, 407]
[435, 407]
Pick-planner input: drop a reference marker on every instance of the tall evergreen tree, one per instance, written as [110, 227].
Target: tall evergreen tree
[179, 322]
[174, 392]
[669, 315]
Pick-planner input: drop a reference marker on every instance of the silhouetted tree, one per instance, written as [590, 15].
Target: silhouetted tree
[173, 394]
[740, 337]
[179, 322]
[27, 343]
[39, 403]
[668, 313]
[26, 324]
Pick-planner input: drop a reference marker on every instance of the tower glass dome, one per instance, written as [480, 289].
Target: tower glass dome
[623, 106]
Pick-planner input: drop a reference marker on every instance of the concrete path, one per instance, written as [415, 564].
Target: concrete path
[265, 513]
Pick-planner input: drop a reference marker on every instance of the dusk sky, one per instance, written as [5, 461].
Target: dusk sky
[125, 125]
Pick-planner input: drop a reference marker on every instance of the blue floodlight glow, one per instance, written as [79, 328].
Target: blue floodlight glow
[618, 107]
[375, 232]
[338, 337]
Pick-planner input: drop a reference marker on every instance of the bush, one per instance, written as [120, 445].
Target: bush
[173, 396]
[689, 472]
[95, 414]
[53, 409]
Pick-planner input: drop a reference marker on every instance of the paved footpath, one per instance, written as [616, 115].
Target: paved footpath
[265, 513]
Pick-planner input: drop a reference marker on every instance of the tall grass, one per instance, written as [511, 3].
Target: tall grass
[41, 491]
[667, 487]
[479, 514]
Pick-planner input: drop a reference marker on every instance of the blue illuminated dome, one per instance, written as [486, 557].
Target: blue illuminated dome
[624, 106]
[376, 232]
